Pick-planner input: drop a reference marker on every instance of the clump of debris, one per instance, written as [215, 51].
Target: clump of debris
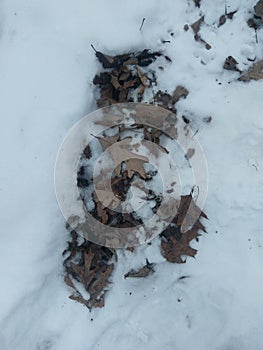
[255, 72]
[126, 78]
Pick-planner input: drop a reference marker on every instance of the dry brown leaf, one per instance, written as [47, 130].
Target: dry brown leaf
[222, 20]
[91, 270]
[79, 298]
[174, 250]
[125, 74]
[258, 8]
[196, 27]
[142, 272]
[106, 199]
[120, 152]
[142, 77]
[107, 141]
[179, 92]
[188, 211]
[254, 73]
[168, 209]
[115, 82]
[175, 241]
[112, 61]
[133, 83]
[231, 64]
[123, 95]
[190, 152]
[135, 165]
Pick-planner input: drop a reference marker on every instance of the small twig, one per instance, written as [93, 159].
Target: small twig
[256, 35]
[142, 24]
[195, 133]
[93, 48]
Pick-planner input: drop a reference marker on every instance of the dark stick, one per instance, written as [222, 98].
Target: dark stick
[93, 48]
[142, 24]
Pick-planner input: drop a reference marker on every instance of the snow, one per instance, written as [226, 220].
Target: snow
[46, 70]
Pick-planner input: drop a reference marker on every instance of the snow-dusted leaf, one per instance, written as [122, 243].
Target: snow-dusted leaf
[254, 73]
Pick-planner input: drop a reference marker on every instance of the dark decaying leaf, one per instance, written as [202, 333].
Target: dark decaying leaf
[143, 58]
[252, 23]
[168, 101]
[197, 3]
[230, 15]
[124, 76]
[254, 73]
[176, 243]
[103, 78]
[87, 152]
[231, 64]
[145, 271]
[225, 16]
[222, 20]
[112, 61]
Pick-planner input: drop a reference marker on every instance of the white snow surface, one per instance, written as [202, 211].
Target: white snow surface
[46, 72]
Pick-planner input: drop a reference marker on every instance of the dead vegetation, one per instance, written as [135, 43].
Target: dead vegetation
[196, 28]
[253, 73]
[125, 79]
[90, 265]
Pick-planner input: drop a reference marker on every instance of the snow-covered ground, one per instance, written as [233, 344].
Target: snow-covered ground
[46, 72]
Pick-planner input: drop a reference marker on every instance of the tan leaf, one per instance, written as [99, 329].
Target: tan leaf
[258, 8]
[190, 152]
[179, 92]
[143, 78]
[135, 165]
[196, 27]
[254, 73]
[107, 141]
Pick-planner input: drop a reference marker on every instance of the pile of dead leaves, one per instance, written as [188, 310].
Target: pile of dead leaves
[256, 71]
[90, 265]
[125, 79]
[121, 178]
